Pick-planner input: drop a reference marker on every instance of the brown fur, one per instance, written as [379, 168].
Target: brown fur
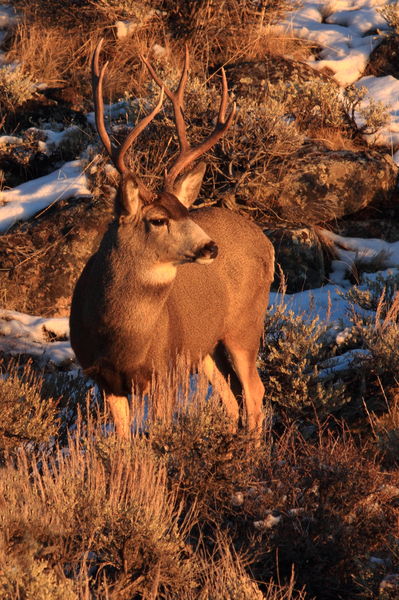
[166, 283]
[122, 331]
[118, 327]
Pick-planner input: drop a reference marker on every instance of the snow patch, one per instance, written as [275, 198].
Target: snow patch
[350, 249]
[26, 334]
[27, 199]
[340, 33]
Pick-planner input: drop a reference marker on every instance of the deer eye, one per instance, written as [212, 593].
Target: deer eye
[159, 222]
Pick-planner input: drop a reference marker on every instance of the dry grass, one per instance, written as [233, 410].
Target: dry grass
[60, 54]
[216, 35]
[385, 426]
[81, 510]
[119, 521]
[26, 420]
[191, 511]
[334, 139]
[237, 30]
[45, 53]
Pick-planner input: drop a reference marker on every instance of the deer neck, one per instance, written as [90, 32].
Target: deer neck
[137, 289]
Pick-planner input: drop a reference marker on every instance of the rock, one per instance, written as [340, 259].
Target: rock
[249, 79]
[300, 256]
[71, 101]
[237, 499]
[36, 152]
[381, 222]
[21, 161]
[52, 106]
[389, 587]
[271, 520]
[32, 152]
[384, 59]
[314, 182]
[141, 14]
[40, 260]
[326, 185]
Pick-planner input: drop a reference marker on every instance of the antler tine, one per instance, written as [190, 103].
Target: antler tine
[176, 97]
[188, 154]
[97, 86]
[119, 162]
[116, 154]
[223, 102]
[191, 154]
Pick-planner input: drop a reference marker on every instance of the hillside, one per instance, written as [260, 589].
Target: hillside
[188, 509]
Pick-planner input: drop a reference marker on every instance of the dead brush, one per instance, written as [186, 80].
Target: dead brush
[216, 33]
[380, 336]
[391, 16]
[334, 511]
[85, 510]
[105, 518]
[33, 47]
[155, 518]
[36, 38]
[385, 426]
[293, 348]
[27, 420]
[224, 577]
[363, 263]
[227, 31]
[195, 443]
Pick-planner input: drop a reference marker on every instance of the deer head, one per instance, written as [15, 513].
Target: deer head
[165, 218]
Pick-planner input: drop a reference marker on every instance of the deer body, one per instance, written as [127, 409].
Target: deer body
[123, 331]
[167, 282]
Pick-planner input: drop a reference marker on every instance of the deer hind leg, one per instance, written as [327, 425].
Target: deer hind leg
[119, 407]
[244, 362]
[222, 387]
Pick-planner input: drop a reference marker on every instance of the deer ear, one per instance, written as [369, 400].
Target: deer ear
[187, 188]
[128, 201]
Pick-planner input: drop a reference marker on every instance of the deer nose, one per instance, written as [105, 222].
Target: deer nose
[206, 253]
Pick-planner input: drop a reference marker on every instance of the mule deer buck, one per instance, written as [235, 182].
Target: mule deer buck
[167, 282]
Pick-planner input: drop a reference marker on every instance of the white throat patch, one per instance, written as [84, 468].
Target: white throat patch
[161, 274]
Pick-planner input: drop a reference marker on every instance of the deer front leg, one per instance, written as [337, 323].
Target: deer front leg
[222, 387]
[244, 362]
[120, 411]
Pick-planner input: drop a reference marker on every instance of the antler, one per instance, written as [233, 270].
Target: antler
[187, 154]
[117, 154]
